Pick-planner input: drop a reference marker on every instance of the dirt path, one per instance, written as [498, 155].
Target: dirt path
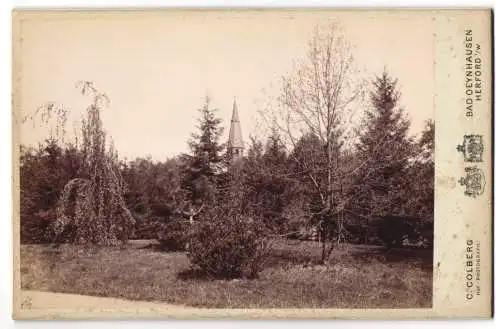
[49, 300]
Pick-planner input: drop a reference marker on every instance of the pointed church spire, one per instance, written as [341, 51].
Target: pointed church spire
[235, 143]
[235, 117]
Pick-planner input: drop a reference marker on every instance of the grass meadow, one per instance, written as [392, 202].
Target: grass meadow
[355, 277]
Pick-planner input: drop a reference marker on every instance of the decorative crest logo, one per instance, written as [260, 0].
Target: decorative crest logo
[473, 181]
[472, 148]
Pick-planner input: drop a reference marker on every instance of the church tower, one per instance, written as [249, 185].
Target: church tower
[235, 144]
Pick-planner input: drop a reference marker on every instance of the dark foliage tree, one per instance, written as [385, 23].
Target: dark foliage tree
[43, 173]
[154, 195]
[307, 157]
[266, 182]
[166, 203]
[422, 176]
[385, 152]
[420, 188]
[40, 186]
[206, 160]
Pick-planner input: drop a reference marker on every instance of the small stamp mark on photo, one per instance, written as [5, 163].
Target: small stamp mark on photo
[26, 304]
[472, 148]
[473, 181]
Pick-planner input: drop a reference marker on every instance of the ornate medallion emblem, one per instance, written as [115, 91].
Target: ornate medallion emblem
[473, 181]
[472, 148]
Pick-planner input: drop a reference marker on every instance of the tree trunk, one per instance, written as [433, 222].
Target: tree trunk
[323, 242]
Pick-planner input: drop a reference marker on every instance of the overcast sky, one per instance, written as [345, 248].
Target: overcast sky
[156, 68]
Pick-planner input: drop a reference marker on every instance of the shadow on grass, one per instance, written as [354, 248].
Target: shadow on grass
[309, 253]
[160, 247]
[199, 275]
[281, 257]
[192, 274]
[394, 256]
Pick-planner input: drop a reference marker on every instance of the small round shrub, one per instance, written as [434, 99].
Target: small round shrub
[228, 247]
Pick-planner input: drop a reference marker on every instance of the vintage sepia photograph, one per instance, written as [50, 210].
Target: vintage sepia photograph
[228, 159]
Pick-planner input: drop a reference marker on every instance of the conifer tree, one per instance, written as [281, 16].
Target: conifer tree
[384, 150]
[273, 181]
[421, 177]
[201, 168]
[275, 152]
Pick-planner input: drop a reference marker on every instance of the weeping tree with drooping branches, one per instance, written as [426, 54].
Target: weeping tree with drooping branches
[92, 204]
